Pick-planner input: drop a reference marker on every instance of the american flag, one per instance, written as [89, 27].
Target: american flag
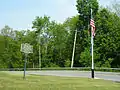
[92, 24]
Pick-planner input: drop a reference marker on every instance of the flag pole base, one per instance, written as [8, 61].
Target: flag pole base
[92, 73]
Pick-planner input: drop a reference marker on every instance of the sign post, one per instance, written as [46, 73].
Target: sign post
[26, 48]
[25, 65]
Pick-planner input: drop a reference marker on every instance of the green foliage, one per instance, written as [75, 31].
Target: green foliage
[84, 10]
[85, 58]
[107, 36]
[67, 63]
[56, 40]
[2, 44]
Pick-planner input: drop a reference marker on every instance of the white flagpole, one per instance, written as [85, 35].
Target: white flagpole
[73, 49]
[39, 53]
[92, 72]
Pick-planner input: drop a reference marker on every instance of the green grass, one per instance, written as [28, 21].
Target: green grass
[34, 82]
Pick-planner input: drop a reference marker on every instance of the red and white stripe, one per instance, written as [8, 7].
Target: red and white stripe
[92, 24]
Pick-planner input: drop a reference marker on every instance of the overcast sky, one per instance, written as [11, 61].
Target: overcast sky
[19, 14]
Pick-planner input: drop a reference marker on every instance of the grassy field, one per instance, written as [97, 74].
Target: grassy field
[33, 82]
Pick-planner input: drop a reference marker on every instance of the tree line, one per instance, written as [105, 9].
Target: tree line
[55, 40]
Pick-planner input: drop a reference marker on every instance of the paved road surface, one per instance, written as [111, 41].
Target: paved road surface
[100, 75]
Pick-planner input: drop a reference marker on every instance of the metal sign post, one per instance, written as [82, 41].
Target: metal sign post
[26, 48]
[25, 65]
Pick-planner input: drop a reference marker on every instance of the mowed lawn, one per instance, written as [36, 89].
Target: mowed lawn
[34, 82]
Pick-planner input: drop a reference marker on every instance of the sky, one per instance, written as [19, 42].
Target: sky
[19, 14]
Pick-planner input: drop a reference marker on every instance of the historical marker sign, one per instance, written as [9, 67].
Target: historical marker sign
[26, 48]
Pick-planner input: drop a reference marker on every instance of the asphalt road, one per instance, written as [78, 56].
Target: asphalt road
[98, 75]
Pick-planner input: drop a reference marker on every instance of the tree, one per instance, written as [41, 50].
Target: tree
[84, 7]
[116, 7]
[53, 41]
[107, 36]
[41, 26]
[83, 39]
[2, 44]
[11, 56]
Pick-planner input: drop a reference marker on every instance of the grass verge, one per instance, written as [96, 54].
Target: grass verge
[34, 82]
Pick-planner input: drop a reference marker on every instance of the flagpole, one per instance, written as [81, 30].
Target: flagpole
[73, 50]
[92, 70]
[39, 53]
